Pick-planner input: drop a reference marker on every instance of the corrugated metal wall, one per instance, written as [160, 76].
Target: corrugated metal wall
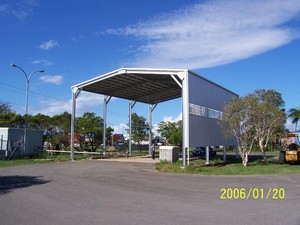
[205, 130]
[14, 137]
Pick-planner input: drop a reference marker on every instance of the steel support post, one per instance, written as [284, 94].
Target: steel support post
[75, 94]
[106, 100]
[224, 153]
[185, 118]
[150, 111]
[131, 105]
[207, 155]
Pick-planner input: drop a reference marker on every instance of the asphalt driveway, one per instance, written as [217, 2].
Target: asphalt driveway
[101, 192]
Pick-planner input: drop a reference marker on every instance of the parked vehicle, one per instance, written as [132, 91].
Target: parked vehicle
[158, 141]
[201, 151]
[290, 149]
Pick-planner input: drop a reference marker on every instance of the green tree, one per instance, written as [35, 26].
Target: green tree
[256, 117]
[294, 114]
[62, 122]
[58, 127]
[40, 121]
[268, 116]
[172, 131]
[139, 128]
[238, 121]
[269, 96]
[58, 139]
[11, 119]
[268, 120]
[5, 107]
[91, 126]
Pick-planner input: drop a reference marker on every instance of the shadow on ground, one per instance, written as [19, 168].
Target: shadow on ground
[9, 183]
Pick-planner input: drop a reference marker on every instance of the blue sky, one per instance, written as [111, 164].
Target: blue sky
[242, 45]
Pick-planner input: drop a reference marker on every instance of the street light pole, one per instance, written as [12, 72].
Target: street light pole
[27, 83]
[26, 100]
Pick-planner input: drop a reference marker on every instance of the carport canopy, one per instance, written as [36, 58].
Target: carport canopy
[145, 85]
[149, 86]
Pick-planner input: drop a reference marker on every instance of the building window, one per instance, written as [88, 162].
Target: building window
[205, 112]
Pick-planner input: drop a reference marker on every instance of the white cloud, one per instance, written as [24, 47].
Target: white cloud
[171, 119]
[85, 102]
[49, 45]
[18, 9]
[213, 33]
[43, 62]
[53, 107]
[56, 79]
[3, 8]
[289, 125]
[166, 119]
[120, 129]
[77, 38]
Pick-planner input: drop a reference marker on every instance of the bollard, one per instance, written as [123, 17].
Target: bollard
[153, 153]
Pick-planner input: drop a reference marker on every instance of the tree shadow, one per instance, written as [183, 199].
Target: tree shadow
[9, 183]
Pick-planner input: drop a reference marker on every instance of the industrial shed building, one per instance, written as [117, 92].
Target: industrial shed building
[202, 101]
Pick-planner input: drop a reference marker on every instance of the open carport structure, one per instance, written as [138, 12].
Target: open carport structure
[202, 101]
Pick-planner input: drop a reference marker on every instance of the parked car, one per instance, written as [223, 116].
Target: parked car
[201, 151]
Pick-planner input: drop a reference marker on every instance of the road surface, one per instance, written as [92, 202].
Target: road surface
[102, 192]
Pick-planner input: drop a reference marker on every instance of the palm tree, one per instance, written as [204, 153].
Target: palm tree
[294, 113]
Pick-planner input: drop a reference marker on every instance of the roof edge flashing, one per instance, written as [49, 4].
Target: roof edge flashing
[122, 71]
[152, 70]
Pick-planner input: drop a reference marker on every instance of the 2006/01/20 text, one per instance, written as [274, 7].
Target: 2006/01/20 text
[254, 193]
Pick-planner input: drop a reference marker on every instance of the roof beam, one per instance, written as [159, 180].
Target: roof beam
[175, 79]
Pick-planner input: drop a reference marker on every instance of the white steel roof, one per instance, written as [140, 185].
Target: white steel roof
[138, 84]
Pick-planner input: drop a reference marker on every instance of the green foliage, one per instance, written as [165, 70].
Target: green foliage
[271, 97]
[5, 108]
[238, 121]
[257, 117]
[166, 129]
[172, 131]
[139, 128]
[233, 167]
[294, 114]
[88, 123]
[42, 158]
[91, 126]
[57, 128]
[57, 139]
[62, 122]
[39, 121]
[11, 119]
[268, 121]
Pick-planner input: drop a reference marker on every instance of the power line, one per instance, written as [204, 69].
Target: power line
[33, 93]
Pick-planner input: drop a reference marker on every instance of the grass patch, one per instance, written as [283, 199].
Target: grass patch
[42, 158]
[232, 167]
[139, 153]
[55, 157]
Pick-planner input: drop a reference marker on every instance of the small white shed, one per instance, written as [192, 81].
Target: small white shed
[12, 142]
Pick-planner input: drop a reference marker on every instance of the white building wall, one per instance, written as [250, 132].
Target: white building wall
[14, 137]
[206, 102]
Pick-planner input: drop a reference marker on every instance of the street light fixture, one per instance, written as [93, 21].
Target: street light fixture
[26, 101]
[27, 83]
